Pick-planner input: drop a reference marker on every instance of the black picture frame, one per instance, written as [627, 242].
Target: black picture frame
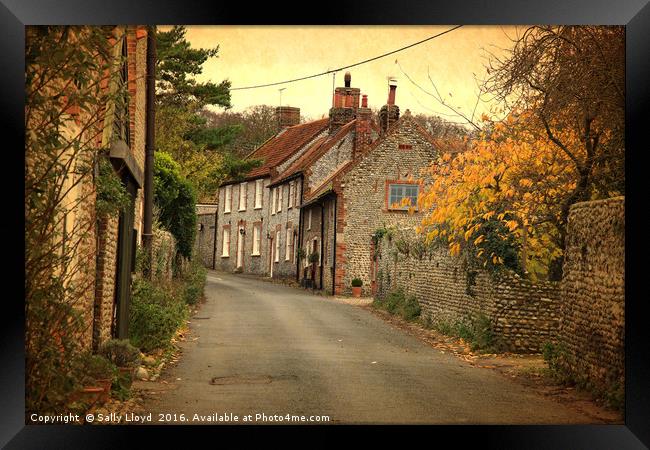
[635, 14]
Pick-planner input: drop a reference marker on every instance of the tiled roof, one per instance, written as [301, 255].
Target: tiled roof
[326, 185]
[284, 144]
[317, 149]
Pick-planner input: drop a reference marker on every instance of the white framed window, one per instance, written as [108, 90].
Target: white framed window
[402, 196]
[280, 189]
[296, 193]
[274, 200]
[257, 236]
[225, 245]
[288, 243]
[242, 196]
[277, 246]
[291, 194]
[309, 219]
[294, 249]
[227, 199]
[259, 191]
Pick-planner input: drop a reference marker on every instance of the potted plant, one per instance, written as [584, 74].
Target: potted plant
[124, 355]
[300, 254]
[98, 374]
[313, 257]
[356, 287]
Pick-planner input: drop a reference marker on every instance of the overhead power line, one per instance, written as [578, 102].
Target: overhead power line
[346, 67]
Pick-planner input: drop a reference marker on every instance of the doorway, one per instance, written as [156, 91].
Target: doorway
[240, 246]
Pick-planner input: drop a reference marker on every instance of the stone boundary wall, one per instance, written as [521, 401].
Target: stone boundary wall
[524, 315]
[163, 247]
[592, 329]
[204, 243]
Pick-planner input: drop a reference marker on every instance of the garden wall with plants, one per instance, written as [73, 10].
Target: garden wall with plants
[523, 316]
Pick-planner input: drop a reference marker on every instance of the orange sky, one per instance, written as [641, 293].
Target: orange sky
[252, 55]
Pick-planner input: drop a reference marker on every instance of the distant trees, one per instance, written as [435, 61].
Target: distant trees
[182, 131]
[254, 126]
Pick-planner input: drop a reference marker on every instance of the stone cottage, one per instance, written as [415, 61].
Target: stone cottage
[324, 188]
[256, 223]
[107, 243]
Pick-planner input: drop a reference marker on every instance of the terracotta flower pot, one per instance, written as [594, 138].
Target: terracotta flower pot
[127, 373]
[356, 291]
[105, 384]
[88, 395]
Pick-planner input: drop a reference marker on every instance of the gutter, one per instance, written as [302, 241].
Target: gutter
[214, 241]
[322, 242]
[147, 236]
[336, 197]
[300, 220]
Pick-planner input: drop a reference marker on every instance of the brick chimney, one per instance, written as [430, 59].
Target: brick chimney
[362, 136]
[344, 104]
[287, 116]
[389, 113]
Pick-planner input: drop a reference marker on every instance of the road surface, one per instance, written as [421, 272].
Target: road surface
[267, 349]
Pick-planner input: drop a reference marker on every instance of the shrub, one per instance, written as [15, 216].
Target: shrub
[475, 329]
[94, 367]
[356, 282]
[112, 196]
[194, 282]
[156, 313]
[396, 302]
[176, 198]
[555, 357]
[120, 352]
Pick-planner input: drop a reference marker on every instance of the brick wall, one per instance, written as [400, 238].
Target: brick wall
[524, 315]
[592, 327]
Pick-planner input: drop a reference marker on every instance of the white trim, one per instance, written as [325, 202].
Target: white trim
[259, 194]
[243, 187]
[225, 244]
[227, 199]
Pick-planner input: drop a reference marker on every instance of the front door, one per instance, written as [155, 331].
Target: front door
[240, 246]
[125, 254]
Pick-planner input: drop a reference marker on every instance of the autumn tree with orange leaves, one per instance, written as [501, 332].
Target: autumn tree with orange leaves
[505, 201]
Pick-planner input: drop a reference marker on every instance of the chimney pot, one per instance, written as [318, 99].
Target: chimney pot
[348, 79]
[287, 116]
[364, 101]
[391, 94]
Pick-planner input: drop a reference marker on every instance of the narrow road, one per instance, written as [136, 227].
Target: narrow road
[276, 350]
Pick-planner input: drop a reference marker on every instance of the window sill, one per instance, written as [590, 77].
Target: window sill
[258, 207]
[256, 254]
[241, 210]
[227, 212]
[398, 210]
[225, 256]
